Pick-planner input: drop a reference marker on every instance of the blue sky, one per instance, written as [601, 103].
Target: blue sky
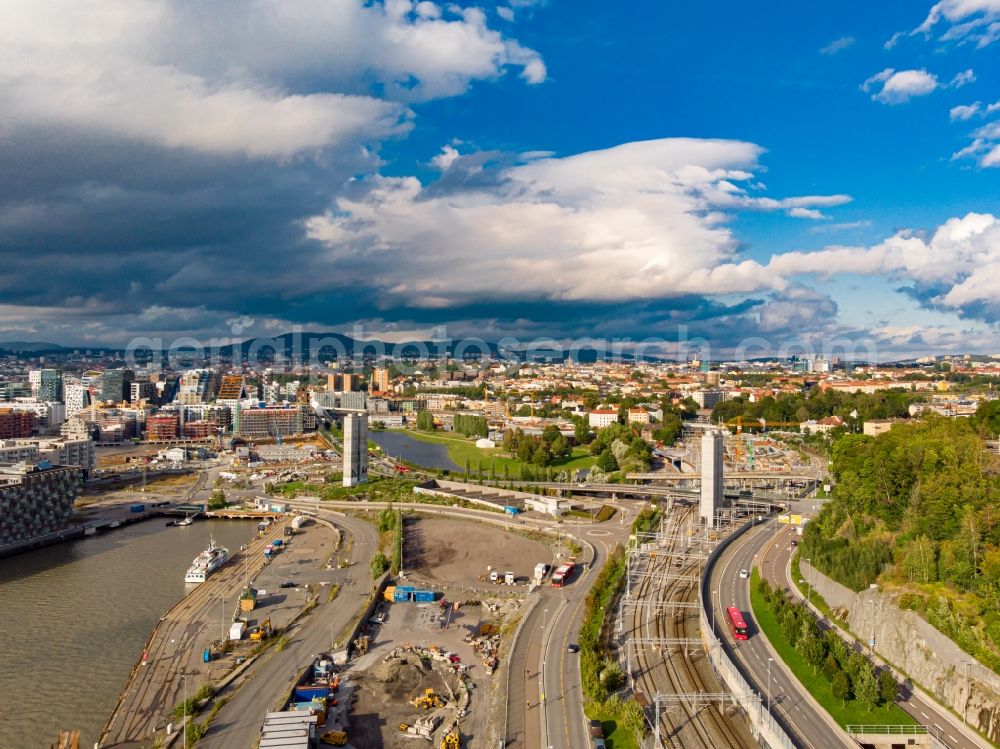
[522, 169]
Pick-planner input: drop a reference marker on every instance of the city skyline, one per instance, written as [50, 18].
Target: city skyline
[519, 170]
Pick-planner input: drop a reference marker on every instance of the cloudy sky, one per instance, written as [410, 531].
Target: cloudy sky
[816, 172]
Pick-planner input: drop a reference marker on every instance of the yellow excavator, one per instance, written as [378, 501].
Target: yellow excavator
[450, 741]
[428, 700]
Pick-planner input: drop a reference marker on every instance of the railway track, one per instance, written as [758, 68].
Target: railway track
[669, 669]
[174, 650]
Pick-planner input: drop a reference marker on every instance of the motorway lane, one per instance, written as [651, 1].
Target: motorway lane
[813, 727]
[237, 725]
[563, 721]
[774, 566]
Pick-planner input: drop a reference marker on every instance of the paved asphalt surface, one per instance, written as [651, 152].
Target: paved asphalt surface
[769, 543]
[541, 664]
[237, 724]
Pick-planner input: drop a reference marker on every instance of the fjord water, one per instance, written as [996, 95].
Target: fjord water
[76, 616]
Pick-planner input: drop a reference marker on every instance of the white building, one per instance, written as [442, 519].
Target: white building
[49, 414]
[46, 384]
[602, 417]
[77, 398]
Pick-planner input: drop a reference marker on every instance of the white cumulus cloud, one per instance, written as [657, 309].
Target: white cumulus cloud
[976, 21]
[268, 79]
[644, 220]
[898, 86]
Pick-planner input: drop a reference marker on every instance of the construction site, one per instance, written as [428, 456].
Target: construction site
[422, 673]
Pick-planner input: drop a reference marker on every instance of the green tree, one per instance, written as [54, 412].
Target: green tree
[378, 565]
[866, 686]
[841, 687]
[425, 421]
[633, 718]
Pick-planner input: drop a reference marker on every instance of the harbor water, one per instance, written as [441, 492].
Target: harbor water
[77, 616]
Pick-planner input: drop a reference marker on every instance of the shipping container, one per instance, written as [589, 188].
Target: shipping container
[423, 596]
[236, 630]
[306, 693]
[390, 591]
[137, 508]
[401, 596]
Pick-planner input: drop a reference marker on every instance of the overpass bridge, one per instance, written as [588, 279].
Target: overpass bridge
[756, 503]
[728, 476]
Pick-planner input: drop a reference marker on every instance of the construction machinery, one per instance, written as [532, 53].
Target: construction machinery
[334, 738]
[450, 741]
[262, 631]
[428, 700]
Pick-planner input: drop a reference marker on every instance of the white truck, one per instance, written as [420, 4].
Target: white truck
[508, 578]
[541, 570]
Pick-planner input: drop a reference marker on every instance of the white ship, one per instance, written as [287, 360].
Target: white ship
[207, 562]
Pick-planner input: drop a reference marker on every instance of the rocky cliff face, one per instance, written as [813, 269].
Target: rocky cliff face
[916, 648]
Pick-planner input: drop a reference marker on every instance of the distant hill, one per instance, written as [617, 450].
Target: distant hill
[30, 346]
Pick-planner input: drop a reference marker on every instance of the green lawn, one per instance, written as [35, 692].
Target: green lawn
[853, 712]
[461, 449]
[615, 736]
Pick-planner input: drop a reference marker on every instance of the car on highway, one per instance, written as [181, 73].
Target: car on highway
[572, 648]
[744, 574]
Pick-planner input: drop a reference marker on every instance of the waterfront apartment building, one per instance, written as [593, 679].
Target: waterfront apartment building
[64, 451]
[36, 500]
[355, 449]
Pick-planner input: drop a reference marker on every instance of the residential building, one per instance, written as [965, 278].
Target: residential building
[875, 427]
[602, 417]
[36, 500]
[381, 381]
[708, 398]
[142, 391]
[197, 386]
[273, 422]
[15, 423]
[821, 426]
[638, 416]
[352, 401]
[162, 427]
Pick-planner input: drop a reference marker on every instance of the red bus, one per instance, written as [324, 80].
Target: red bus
[562, 575]
[736, 624]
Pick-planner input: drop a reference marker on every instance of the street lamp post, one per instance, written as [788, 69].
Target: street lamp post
[769, 662]
[712, 603]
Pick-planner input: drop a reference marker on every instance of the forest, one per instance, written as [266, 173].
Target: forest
[916, 509]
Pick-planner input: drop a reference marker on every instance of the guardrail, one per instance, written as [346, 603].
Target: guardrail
[765, 726]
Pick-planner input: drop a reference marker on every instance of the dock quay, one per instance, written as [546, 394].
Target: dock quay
[172, 659]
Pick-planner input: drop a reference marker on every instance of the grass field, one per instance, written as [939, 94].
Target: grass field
[853, 712]
[462, 449]
[615, 736]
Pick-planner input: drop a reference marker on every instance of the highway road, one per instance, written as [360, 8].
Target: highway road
[237, 724]
[543, 673]
[774, 566]
[814, 728]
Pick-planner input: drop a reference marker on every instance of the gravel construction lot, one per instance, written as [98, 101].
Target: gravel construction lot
[442, 550]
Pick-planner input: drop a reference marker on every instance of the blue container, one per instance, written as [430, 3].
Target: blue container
[511, 510]
[277, 542]
[423, 596]
[401, 596]
[406, 588]
[307, 693]
[207, 655]
[137, 508]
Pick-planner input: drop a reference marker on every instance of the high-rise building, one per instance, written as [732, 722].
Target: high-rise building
[46, 384]
[355, 449]
[712, 452]
[349, 382]
[77, 398]
[116, 385]
[380, 380]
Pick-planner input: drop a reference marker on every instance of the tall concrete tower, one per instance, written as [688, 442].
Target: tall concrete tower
[712, 455]
[355, 449]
